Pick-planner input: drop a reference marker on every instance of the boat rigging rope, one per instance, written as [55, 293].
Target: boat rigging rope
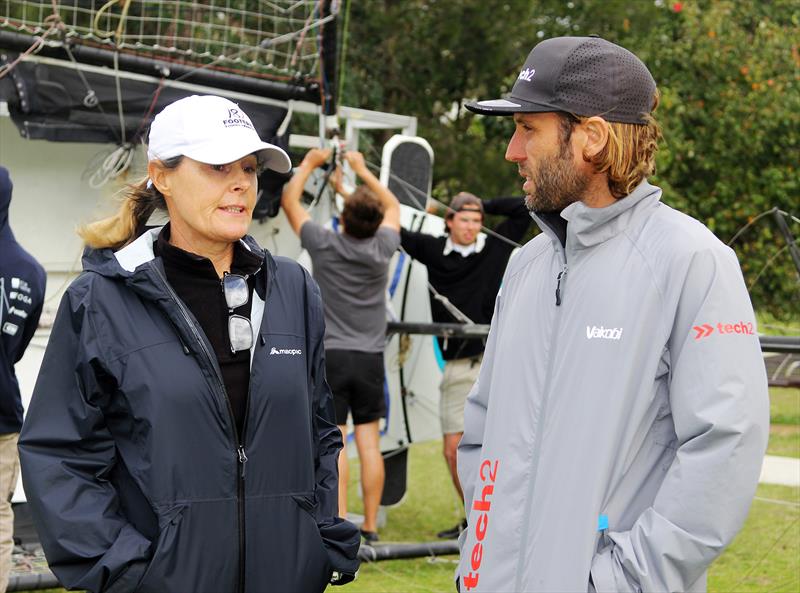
[124, 17]
[55, 24]
[451, 308]
[113, 165]
[766, 265]
[343, 55]
[755, 220]
[415, 190]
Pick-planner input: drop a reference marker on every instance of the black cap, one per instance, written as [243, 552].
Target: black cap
[580, 75]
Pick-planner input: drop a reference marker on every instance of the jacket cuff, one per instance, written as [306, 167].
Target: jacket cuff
[128, 580]
[342, 540]
[608, 576]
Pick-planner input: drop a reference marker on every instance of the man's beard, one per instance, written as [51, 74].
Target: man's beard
[556, 184]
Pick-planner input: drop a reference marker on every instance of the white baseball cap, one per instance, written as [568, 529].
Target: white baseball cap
[211, 130]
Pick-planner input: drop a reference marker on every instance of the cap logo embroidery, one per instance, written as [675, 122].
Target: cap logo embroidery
[237, 118]
[527, 74]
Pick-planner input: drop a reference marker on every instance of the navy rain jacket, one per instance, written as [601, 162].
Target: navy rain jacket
[129, 452]
[22, 282]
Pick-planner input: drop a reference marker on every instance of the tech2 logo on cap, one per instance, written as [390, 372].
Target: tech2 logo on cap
[527, 74]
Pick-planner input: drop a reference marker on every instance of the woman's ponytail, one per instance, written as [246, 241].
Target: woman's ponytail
[138, 204]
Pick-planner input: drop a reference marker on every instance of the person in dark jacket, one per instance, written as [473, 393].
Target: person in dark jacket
[22, 283]
[465, 267]
[181, 435]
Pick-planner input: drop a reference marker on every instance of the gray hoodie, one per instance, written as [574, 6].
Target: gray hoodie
[640, 402]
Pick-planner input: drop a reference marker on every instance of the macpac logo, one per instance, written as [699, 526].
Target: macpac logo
[603, 333]
[705, 330]
[527, 74]
[283, 351]
[488, 475]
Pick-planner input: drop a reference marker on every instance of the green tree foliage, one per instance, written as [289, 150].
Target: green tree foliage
[728, 72]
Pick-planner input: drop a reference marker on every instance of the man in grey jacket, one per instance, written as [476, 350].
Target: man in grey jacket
[614, 438]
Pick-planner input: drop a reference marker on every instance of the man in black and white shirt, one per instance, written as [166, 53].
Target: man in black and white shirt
[465, 266]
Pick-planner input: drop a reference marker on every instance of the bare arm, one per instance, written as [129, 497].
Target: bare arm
[293, 191]
[391, 214]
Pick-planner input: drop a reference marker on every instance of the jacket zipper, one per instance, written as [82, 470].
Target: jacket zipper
[543, 411]
[561, 275]
[241, 456]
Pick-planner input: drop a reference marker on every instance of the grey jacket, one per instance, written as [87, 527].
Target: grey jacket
[640, 400]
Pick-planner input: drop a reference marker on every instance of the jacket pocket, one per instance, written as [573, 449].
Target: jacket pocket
[607, 574]
[164, 550]
[307, 504]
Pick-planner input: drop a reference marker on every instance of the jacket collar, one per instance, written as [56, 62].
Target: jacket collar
[591, 226]
[140, 251]
[132, 262]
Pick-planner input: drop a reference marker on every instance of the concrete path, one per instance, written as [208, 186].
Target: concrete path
[780, 470]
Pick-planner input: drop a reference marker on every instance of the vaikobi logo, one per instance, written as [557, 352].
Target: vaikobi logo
[285, 351]
[603, 333]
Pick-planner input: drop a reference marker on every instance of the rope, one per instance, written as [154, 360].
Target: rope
[767, 265]
[90, 99]
[123, 17]
[451, 308]
[56, 24]
[751, 223]
[759, 217]
[342, 59]
[775, 501]
[420, 193]
[265, 44]
[120, 110]
[768, 552]
[784, 586]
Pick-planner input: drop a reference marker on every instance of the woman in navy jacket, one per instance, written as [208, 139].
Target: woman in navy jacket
[181, 433]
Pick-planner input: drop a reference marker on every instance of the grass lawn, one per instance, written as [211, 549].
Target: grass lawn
[765, 556]
[784, 433]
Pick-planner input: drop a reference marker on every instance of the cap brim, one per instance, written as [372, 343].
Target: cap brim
[271, 156]
[508, 106]
[275, 158]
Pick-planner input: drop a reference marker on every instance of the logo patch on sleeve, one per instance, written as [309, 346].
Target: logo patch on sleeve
[707, 329]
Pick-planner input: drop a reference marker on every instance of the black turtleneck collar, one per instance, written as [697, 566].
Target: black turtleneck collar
[196, 283]
[244, 262]
[557, 224]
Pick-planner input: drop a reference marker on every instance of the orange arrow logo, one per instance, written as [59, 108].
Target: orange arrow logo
[703, 331]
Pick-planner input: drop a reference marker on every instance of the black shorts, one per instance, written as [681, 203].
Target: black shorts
[356, 380]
